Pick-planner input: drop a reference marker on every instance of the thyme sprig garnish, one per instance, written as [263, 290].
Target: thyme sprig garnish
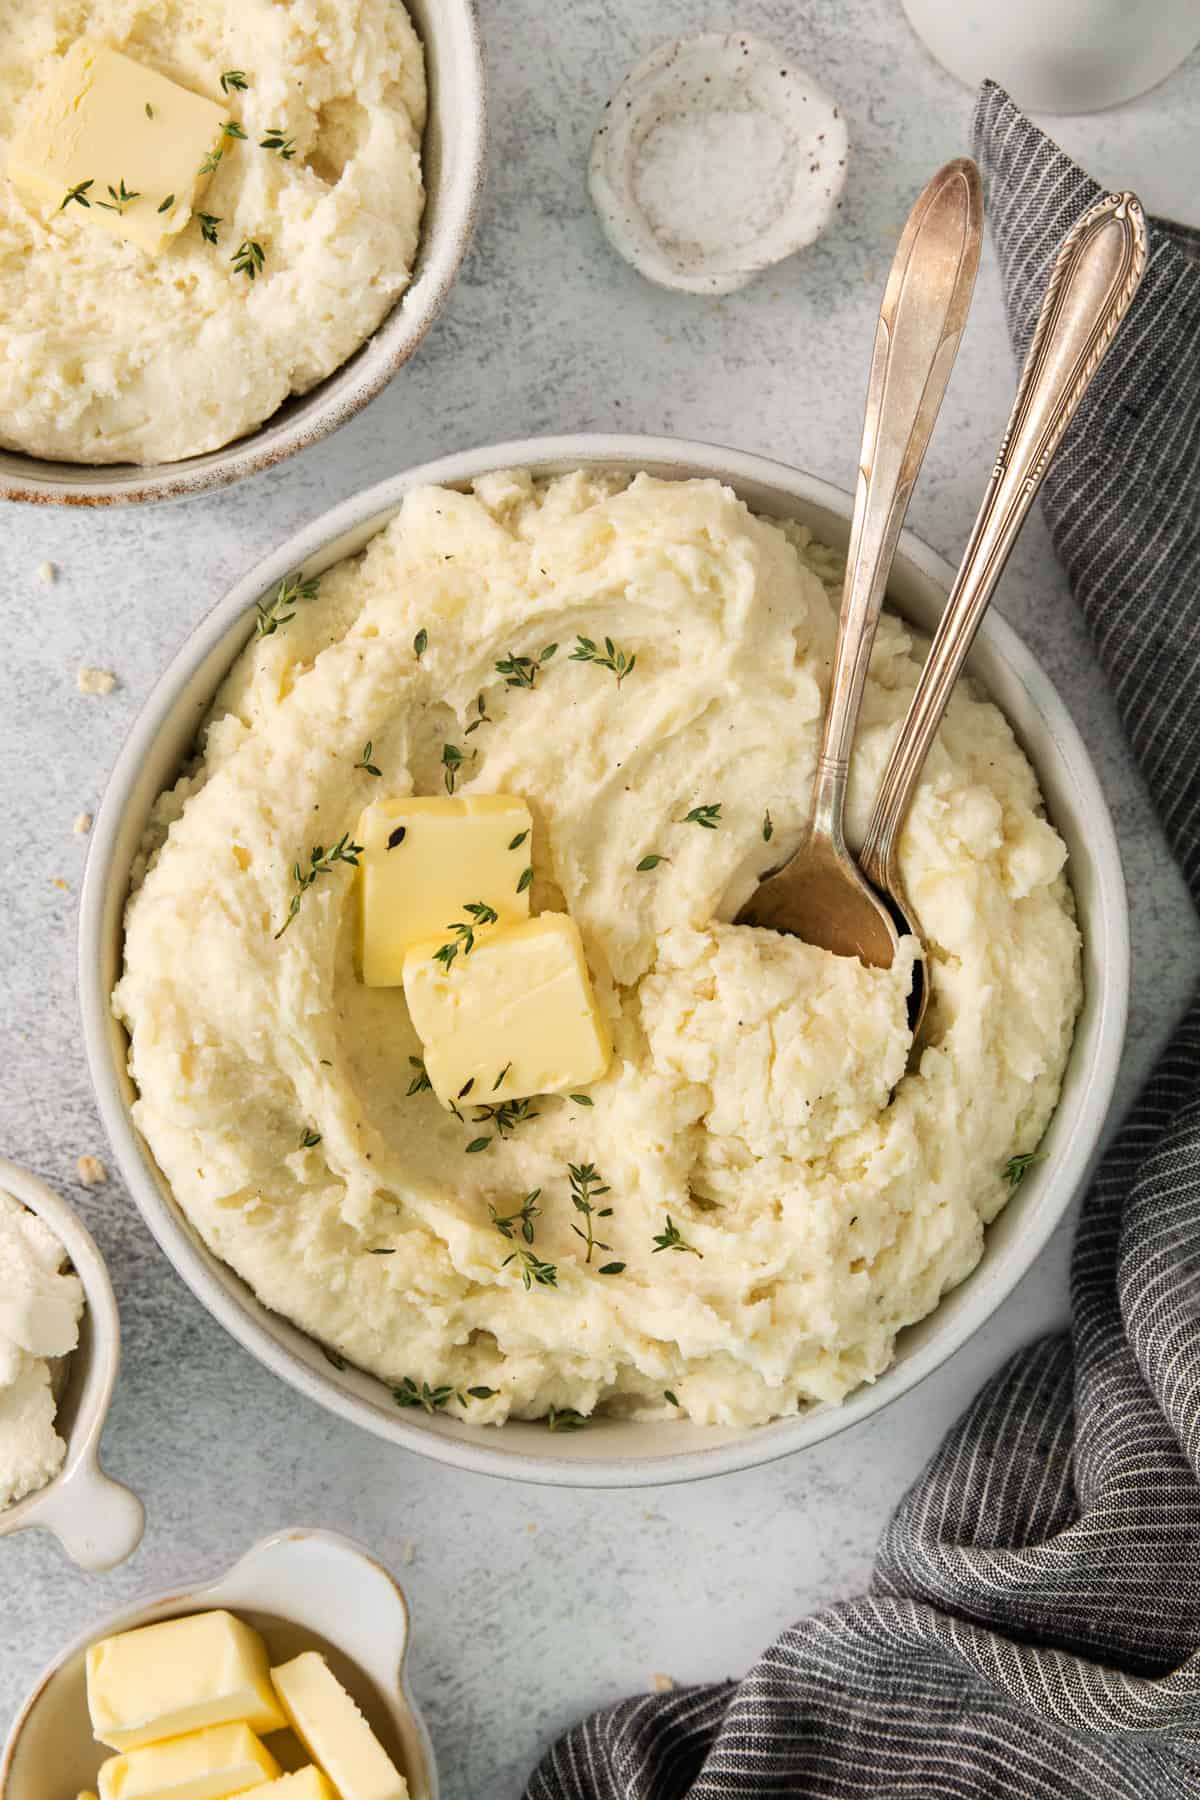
[453, 760]
[364, 761]
[587, 1186]
[651, 862]
[79, 194]
[320, 862]
[292, 588]
[505, 1116]
[234, 78]
[708, 817]
[672, 1239]
[208, 223]
[768, 826]
[481, 716]
[479, 913]
[420, 1083]
[212, 162]
[532, 1269]
[1018, 1167]
[565, 1419]
[276, 140]
[523, 671]
[434, 1400]
[521, 1221]
[120, 198]
[609, 658]
[248, 258]
[232, 129]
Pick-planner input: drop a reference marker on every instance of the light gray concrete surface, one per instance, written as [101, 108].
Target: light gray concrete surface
[531, 1607]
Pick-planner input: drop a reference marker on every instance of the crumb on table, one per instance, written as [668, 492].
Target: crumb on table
[95, 681]
[91, 1171]
[47, 573]
[662, 1684]
[83, 824]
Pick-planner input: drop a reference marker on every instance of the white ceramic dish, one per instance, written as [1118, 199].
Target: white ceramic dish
[615, 1453]
[303, 1590]
[726, 80]
[98, 1522]
[454, 159]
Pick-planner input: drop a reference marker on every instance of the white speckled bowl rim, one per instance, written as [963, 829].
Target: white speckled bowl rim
[317, 1580]
[455, 161]
[618, 1453]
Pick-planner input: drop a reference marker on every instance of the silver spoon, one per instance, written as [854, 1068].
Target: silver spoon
[1095, 276]
[819, 894]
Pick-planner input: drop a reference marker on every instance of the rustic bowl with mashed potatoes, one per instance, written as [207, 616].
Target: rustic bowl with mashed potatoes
[301, 259]
[780, 1235]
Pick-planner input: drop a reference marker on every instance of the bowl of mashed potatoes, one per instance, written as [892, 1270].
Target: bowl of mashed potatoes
[223, 229]
[763, 1214]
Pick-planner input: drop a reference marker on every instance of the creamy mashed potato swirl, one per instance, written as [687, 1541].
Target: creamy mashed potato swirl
[750, 1097]
[108, 354]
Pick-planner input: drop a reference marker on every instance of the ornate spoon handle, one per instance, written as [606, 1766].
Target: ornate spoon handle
[1093, 281]
[921, 320]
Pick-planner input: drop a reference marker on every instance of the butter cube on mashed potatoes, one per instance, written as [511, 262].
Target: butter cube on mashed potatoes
[123, 138]
[424, 860]
[515, 1015]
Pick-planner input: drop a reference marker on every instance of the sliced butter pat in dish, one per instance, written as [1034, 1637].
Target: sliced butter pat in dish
[107, 121]
[334, 1732]
[424, 860]
[515, 1016]
[305, 1784]
[205, 1765]
[85, 1795]
[163, 1680]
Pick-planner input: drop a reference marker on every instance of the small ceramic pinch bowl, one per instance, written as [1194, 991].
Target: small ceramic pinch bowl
[303, 1590]
[98, 1522]
[716, 158]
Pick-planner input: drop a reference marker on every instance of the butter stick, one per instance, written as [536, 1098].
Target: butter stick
[204, 1765]
[180, 1676]
[334, 1732]
[305, 1784]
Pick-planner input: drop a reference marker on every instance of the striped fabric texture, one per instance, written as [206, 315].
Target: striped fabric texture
[1033, 1623]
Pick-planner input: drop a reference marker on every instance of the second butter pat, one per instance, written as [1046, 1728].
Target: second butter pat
[334, 1732]
[205, 1765]
[105, 119]
[514, 1017]
[424, 860]
[163, 1680]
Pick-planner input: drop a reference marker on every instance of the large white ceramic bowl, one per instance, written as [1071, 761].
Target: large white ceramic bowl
[303, 1590]
[454, 154]
[614, 1453]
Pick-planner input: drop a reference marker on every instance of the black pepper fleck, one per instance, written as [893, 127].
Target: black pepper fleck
[397, 837]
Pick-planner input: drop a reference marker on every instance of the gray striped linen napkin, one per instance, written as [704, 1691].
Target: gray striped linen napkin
[1033, 1623]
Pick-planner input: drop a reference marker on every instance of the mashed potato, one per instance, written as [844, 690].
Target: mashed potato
[108, 354]
[748, 1116]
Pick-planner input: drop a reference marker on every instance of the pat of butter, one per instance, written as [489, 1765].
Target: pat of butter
[424, 860]
[164, 1680]
[305, 1784]
[105, 119]
[517, 1016]
[206, 1765]
[334, 1732]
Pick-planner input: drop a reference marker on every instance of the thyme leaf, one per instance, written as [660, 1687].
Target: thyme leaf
[481, 718]
[523, 671]
[309, 1139]
[276, 140]
[420, 1083]
[709, 817]
[119, 199]
[609, 658]
[233, 78]
[1018, 1167]
[452, 763]
[768, 828]
[479, 914]
[208, 223]
[320, 861]
[566, 1419]
[651, 862]
[364, 761]
[671, 1239]
[79, 194]
[420, 643]
[248, 258]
